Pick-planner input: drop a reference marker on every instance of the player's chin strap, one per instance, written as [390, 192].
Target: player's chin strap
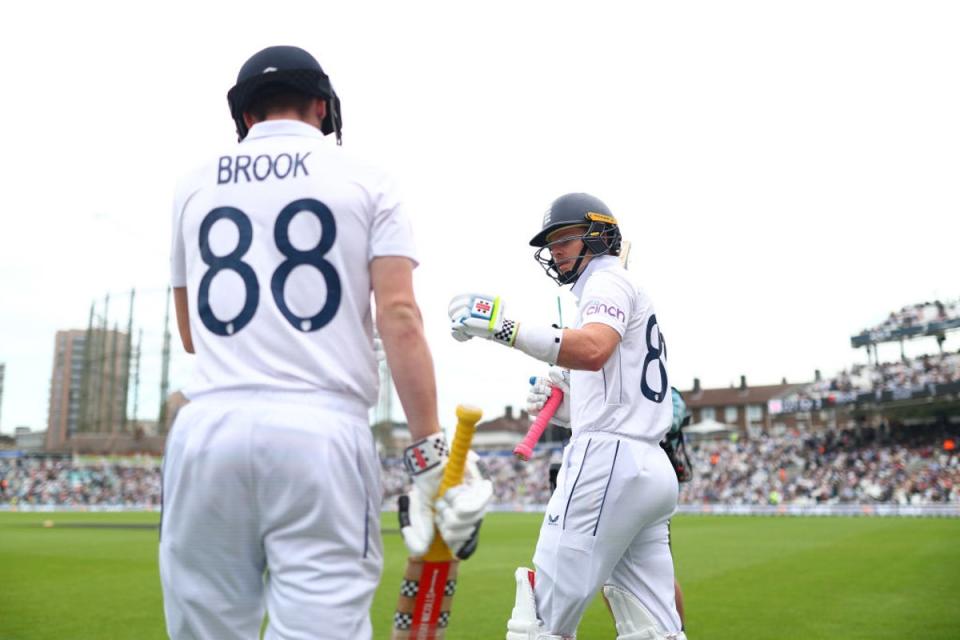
[632, 619]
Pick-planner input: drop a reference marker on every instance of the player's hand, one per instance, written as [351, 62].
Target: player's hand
[540, 390]
[425, 461]
[460, 510]
[478, 315]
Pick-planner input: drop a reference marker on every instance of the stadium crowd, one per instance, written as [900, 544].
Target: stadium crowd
[909, 375]
[915, 315]
[901, 375]
[906, 465]
[61, 482]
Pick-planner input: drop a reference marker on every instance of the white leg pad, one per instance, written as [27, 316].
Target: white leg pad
[524, 624]
[632, 619]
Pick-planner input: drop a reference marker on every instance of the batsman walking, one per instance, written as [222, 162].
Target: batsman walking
[271, 480]
[606, 524]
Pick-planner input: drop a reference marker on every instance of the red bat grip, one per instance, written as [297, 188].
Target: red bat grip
[524, 450]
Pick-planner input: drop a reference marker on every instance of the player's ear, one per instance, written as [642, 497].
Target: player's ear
[249, 120]
[320, 105]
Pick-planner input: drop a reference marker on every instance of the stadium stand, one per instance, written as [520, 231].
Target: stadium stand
[891, 439]
[894, 464]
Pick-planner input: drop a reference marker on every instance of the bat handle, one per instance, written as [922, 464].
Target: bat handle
[467, 419]
[524, 450]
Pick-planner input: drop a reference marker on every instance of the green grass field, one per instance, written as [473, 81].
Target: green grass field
[782, 578]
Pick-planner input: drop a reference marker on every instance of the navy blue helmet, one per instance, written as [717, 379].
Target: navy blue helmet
[282, 68]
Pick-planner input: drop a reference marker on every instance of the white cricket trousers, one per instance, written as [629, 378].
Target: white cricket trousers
[271, 502]
[607, 523]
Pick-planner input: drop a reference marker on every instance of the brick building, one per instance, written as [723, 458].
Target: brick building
[747, 408]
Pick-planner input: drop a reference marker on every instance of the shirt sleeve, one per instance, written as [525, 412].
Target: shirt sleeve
[391, 232]
[178, 262]
[606, 300]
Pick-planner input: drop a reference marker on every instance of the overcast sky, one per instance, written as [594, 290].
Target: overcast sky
[787, 172]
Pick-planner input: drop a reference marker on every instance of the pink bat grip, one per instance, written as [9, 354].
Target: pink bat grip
[524, 450]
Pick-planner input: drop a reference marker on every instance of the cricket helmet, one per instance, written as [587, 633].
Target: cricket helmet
[601, 236]
[278, 69]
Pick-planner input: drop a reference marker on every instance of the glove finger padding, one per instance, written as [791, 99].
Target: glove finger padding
[416, 523]
[478, 315]
[460, 305]
[458, 332]
[560, 378]
[540, 391]
[536, 398]
[459, 512]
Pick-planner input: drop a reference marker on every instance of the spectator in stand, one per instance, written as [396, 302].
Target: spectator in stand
[905, 465]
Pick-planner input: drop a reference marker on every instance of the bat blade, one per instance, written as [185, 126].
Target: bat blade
[429, 583]
[426, 597]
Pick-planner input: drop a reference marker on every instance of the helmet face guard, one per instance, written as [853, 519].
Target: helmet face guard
[602, 237]
[278, 69]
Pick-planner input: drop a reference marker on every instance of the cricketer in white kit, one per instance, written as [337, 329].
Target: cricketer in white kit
[271, 485]
[606, 524]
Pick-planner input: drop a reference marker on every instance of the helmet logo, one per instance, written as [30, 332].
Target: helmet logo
[269, 69]
[600, 217]
[546, 218]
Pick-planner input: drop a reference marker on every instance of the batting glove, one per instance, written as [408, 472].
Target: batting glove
[481, 316]
[424, 461]
[460, 510]
[540, 390]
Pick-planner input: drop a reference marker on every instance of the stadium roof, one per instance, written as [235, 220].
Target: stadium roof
[880, 334]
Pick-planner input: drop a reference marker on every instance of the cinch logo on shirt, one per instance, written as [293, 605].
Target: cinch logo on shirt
[262, 167]
[595, 308]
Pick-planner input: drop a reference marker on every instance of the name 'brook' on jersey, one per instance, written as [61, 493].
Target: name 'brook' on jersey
[273, 242]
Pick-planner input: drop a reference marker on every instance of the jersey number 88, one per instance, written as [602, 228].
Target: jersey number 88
[281, 234]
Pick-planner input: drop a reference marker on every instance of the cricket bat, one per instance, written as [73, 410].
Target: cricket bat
[429, 583]
[524, 450]
[625, 253]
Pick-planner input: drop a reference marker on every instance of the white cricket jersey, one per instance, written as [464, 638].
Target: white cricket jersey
[273, 241]
[630, 395]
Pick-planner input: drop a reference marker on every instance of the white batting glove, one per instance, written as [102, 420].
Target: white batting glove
[424, 461]
[540, 391]
[460, 510]
[481, 316]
